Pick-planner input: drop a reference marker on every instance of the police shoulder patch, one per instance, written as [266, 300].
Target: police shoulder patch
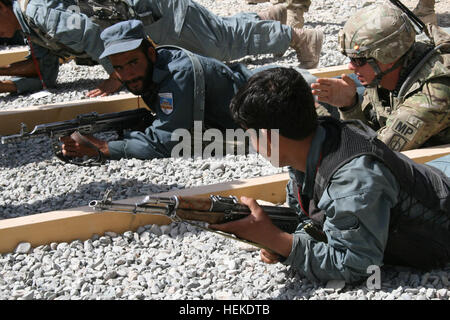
[166, 102]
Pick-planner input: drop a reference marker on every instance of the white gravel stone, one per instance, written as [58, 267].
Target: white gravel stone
[442, 293]
[165, 229]
[23, 247]
[430, 293]
[155, 229]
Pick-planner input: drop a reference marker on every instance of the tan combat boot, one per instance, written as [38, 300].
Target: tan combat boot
[295, 11]
[277, 12]
[308, 44]
[295, 18]
[425, 11]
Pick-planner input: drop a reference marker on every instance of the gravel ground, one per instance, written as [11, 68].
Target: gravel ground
[169, 262]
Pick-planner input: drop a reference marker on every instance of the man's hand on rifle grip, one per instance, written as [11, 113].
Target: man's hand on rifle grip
[258, 227]
[73, 147]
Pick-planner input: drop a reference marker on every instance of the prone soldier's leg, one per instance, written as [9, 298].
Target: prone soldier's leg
[277, 12]
[231, 37]
[306, 42]
[296, 9]
[425, 11]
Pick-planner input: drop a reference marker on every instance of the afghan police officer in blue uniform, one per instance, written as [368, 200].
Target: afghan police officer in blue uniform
[179, 86]
[72, 29]
[361, 204]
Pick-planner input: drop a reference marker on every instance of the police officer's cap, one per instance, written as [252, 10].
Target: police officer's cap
[121, 37]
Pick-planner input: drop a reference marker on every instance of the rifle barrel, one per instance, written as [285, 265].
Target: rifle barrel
[98, 205]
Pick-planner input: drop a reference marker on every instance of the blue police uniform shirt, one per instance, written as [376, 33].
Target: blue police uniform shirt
[173, 103]
[51, 17]
[357, 205]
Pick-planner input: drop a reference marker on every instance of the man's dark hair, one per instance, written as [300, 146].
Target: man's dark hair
[145, 45]
[277, 98]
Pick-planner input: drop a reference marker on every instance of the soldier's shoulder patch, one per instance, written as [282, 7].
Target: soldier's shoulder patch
[166, 102]
[404, 129]
[397, 142]
[414, 121]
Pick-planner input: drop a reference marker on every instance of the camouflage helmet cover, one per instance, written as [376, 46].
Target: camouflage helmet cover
[384, 33]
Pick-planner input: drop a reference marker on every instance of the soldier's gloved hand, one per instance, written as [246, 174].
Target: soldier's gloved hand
[111, 85]
[336, 92]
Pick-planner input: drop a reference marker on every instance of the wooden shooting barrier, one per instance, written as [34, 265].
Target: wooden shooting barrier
[13, 55]
[81, 223]
[32, 116]
[18, 54]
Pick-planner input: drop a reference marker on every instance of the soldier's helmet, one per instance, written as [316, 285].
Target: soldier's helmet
[384, 33]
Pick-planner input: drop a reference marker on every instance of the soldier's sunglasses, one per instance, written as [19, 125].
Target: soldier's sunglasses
[359, 62]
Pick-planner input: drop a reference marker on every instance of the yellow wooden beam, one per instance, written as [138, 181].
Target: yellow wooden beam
[13, 55]
[330, 72]
[81, 223]
[18, 54]
[427, 154]
[10, 119]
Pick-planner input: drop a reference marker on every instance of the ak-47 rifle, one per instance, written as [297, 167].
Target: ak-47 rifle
[213, 210]
[85, 124]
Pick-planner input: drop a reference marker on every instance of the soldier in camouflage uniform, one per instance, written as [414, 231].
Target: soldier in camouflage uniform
[407, 96]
